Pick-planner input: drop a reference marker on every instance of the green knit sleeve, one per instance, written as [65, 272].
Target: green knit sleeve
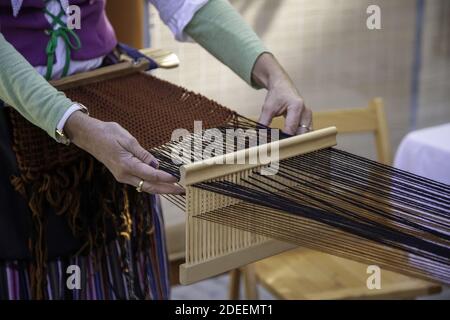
[24, 89]
[220, 29]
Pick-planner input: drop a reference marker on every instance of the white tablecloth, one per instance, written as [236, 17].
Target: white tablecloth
[426, 152]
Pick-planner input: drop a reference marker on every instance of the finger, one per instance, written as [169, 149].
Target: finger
[308, 118]
[162, 188]
[148, 173]
[136, 149]
[305, 121]
[266, 116]
[292, 123]
[158, 188]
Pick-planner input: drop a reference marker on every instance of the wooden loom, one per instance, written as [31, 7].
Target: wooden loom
[218, 241]
[212, 248]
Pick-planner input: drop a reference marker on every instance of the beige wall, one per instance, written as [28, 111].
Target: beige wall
[435, 77]
[333, 58]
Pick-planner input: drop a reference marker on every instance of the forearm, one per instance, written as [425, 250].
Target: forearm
[221, 30]
[29, 93]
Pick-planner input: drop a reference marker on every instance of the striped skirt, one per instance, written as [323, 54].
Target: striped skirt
[100, 275]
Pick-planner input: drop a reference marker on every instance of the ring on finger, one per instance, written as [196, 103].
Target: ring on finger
[140, 185]
[309, 128]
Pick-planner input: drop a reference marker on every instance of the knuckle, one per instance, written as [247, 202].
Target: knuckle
[296, 111]
[300, 99]
[146, 157]
[143, 155]
[113, 125]
[130, 140]
[299, 105]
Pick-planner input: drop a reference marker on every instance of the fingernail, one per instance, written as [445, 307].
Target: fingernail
[154, 164]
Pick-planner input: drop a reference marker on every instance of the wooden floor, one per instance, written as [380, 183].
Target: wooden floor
[217, 289]
[323, 276]
[327, 273]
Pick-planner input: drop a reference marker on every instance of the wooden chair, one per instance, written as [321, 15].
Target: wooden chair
[307, 274]
[127, 18]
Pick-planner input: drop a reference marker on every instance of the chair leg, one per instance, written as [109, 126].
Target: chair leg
[250, 282]
[235, 284]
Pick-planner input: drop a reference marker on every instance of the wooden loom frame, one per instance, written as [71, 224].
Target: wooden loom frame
[240, 247]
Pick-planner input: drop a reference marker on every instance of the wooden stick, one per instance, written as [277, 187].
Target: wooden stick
[101, 74]
[217, 166]
[165, 59]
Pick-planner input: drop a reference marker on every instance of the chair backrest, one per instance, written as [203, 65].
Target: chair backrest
[368, 119]
[127, 18]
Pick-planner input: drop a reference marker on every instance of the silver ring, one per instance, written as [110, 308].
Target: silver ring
[306, 127]
[139, 187]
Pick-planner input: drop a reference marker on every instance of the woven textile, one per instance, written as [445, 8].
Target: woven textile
[149, 108]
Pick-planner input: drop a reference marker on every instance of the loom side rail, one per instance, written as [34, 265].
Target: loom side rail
[193, 273]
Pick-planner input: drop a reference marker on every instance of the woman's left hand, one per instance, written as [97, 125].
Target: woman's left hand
[283, 98]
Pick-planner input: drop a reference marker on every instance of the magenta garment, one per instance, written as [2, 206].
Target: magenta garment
[26, 32]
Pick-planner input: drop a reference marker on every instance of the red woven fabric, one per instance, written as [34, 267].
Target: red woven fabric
[148, 107]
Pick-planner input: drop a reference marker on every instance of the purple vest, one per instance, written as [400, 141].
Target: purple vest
[27, 34]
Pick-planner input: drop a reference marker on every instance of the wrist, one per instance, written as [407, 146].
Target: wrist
[267, 72]
[61, 135]
[78, 128]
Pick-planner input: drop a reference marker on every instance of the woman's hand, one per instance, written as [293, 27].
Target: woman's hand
[282, 99]
[120, 152]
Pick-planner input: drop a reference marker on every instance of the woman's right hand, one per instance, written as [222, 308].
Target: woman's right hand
[120, 152]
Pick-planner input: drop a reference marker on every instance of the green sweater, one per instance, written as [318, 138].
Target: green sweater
[28, 92]
[216, 26]
[220, 29]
